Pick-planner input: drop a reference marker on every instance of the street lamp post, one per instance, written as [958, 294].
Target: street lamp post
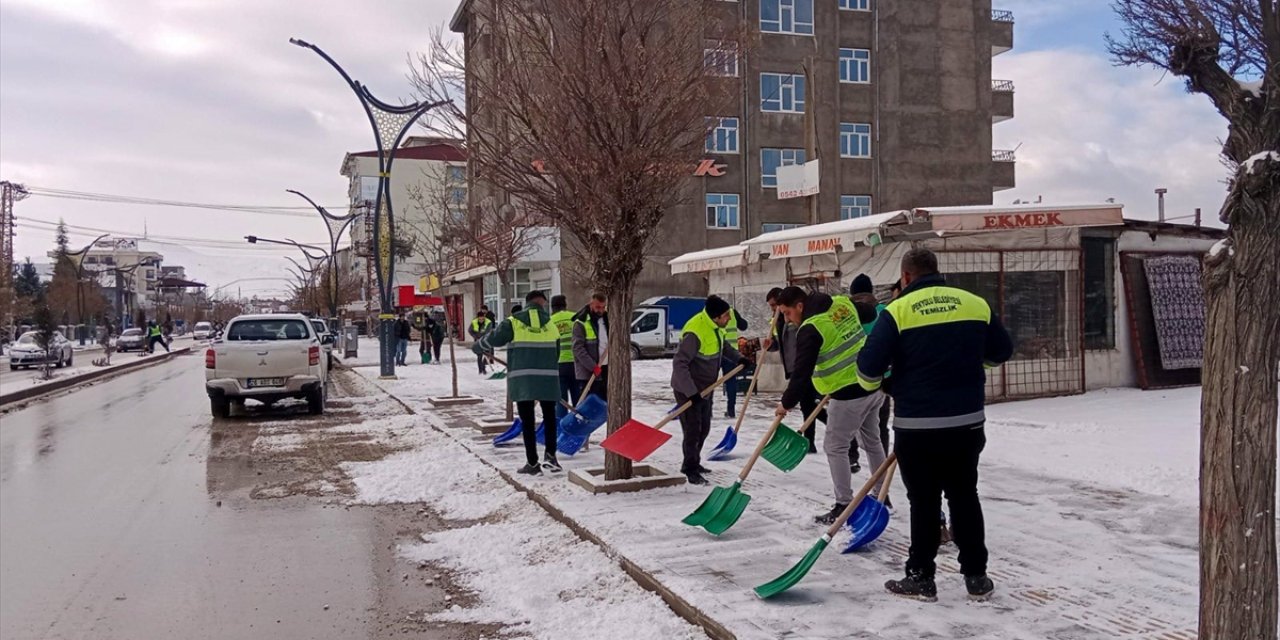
[77, 261]
[390, 124]
[336, 225]
[315, 257]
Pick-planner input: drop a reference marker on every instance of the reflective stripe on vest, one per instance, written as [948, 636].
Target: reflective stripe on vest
[533, 335]
[564, 324]
[842, 339]
[710, 338]
[937, 305]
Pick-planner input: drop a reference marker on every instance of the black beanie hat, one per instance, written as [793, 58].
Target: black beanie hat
[559, 302]
[861, 284]
[534, 295]
[716, 306]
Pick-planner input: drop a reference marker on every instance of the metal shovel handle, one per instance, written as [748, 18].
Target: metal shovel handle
[704, 393]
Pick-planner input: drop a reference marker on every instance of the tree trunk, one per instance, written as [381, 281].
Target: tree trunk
[500, 313]
[1238, 425]
[619, 304]
[453, 360]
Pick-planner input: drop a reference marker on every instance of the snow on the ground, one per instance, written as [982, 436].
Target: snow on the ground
[23, 378]
[1090, 504]
[529, 572]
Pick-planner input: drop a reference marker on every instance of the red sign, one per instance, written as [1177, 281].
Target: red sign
[709, 167]
[1021, 220]
[995, 219]
[823, 245]
[407, 297]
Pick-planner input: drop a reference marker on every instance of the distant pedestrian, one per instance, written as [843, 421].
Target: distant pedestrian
[480, 326]
[155, 335]
[533, 379]
[403, 332]
[696, 366]
[939, 340]
[436, 331]
[736, 323]
[563, 319]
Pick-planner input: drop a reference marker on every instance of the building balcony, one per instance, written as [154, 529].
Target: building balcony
[1001, 31]
[1003, 165]
[1001, 100]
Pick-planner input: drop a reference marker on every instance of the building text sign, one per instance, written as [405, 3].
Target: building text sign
[997, 220]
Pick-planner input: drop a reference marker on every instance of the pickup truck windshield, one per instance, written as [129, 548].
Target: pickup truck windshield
[247, 330]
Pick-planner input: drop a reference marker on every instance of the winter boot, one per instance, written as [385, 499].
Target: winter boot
[854, 467]
[980, 587]
[702, 469]
[549, 463]
[695, 478]
[530, 470]
[831, 516]
[915, 586]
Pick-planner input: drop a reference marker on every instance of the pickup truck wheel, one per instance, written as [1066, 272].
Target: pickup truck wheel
[635, 352]
[315, 400]
[13, 367]
[220, 407]
[71, 358]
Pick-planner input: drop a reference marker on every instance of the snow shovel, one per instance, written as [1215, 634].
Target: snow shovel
[870, 518]
[509, 434]
[796, 573]
[636, 440]
[724, 506]
[787, 448]
[589, 414]
[730, 439]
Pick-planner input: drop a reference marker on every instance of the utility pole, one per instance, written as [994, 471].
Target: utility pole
[9, 194]
[810, 130]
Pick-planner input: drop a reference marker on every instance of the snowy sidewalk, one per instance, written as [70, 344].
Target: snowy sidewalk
[1090, 503]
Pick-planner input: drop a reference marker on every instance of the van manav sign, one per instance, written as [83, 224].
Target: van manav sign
[997, 219]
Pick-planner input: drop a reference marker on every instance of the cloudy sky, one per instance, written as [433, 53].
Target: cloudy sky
[206, 101]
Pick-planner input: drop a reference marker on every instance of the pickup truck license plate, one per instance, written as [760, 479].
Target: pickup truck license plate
[266, 382]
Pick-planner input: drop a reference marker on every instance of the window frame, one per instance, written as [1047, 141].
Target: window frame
[855, 64]
[1099, 294]
[787, 9]
[788, 85]
[850, 133]
[731, 135]
[779, 226]
[798, 156]
[731, 210]
[716, 59]
[846, 5]
[853, 204]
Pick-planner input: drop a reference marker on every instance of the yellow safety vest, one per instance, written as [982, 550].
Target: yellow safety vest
[480, 325]
[710, 336]
[564, 324]
[533, 334]
[842, 339]
[730, 330]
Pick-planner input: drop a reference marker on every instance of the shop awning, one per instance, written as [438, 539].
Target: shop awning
[709, 260]
[826, 238]
[407, 297]
[1034, 216]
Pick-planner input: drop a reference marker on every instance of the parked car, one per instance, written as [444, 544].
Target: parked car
[327, 338]
[203, 330]
[267, 357]
[131, 340]
[26, 352]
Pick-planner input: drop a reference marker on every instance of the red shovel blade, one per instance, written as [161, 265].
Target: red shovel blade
[635, 440]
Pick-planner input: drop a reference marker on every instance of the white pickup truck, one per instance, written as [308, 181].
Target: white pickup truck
[266, 358]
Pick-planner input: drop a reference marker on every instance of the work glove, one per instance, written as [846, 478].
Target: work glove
[596, 371]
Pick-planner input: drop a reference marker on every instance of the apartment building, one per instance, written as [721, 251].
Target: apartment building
[898, 97]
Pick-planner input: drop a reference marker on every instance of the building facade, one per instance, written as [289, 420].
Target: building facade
[898, 97]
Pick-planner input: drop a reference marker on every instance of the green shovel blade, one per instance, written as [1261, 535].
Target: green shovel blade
[795, 574]
[498, 375]
[729, 515]
[786, 449]
[711, 506]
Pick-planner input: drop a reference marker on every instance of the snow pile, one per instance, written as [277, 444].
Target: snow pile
[1220, 246]
[1254, 159]
[1252, 86]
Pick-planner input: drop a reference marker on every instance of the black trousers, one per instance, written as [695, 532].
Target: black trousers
[435, 348]
[885, 412]
[695, 425]
[529, 428]
[483, 360]
[809, 402]
[934, 462]
[600, 387]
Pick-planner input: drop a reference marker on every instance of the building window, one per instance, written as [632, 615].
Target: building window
[1099, 293]
[855, 65]
[722, 135]
[720, 59]
[787, 16]
[771, 159]
[366, 189]
[770, 227]
[855, 140]
[854, 207]
[782, 93]
[519, 284]
[458, 174]
[855, 5]
[722, 211]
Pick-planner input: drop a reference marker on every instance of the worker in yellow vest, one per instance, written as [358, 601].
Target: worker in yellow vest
[562, 318]
[479, 327]
[696, 365]
[736, 323]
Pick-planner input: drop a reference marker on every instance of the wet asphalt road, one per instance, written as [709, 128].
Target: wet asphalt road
[110, 527]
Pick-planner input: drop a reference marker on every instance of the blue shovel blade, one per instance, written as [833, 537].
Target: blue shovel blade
[509, 434]
[727, 443]
[569, 444]
[867, 523]
[592, 413]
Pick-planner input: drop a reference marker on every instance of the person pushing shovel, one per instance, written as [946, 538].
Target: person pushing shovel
[533, 376]
[827, 348]
[696, 366]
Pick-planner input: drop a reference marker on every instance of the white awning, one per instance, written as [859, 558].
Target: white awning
[709, 260]
[1031, 216]
[829, 237]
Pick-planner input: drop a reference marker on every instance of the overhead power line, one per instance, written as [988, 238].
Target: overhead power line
[49, 225]
[88, 196]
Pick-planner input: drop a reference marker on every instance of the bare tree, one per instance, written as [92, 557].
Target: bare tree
[590, 114]
[1229, 51]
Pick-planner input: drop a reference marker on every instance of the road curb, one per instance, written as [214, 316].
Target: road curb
[647, 581]
[37, 391]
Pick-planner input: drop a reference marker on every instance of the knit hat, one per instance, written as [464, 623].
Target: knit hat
[861, 284]
[716, 306]
[534, 295]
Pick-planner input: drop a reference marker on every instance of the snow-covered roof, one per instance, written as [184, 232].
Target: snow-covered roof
[709, 259]
[816, 239]
[988, 218]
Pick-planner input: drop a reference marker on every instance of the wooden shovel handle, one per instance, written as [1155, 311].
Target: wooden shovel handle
[866, 488]
[704, 393]
[587, 389]
[888, 478]
[755, 455]
[755, 375]
[814, 415]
